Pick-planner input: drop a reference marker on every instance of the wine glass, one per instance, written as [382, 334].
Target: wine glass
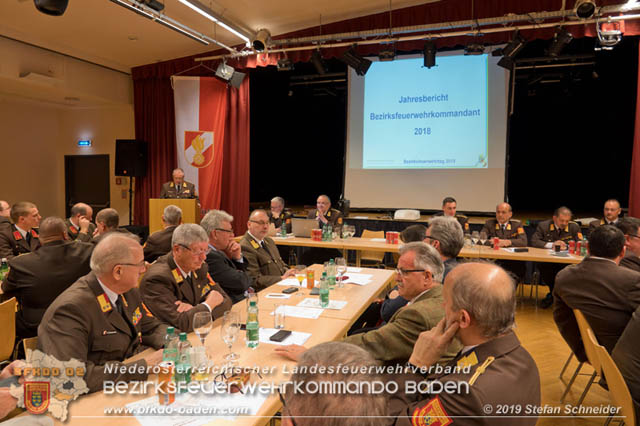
[475, 236]
[202, 325]
[483, 237]
[229, 332]
[301, 273]
[352, 231]
[341, 265]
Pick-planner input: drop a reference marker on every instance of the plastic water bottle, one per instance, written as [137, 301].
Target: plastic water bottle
[583, 247]
[253, 328]
[183, 366]
[283, 229]
[324, 291]
[170, 351]
[4, 269]
[331, 274]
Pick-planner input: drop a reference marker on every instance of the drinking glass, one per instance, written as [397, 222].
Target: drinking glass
[475, 236]
[229, 332]
[341, 265]
[301, 273]
[279, 315]
[202, 325]
[483, 237]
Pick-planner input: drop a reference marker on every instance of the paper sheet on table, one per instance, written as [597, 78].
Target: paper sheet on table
[360, 279]
[278, 296]
[292, 282]
[280, 237]
[509, 249]
[352, 269]
[295, 338]
[216, 406]
[379, 240]
[298, 312]
[313, 302]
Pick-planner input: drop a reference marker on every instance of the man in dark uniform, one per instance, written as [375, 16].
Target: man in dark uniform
[557, 231]
[626, 355]
[630, 227]
[510, 234]
[324, 214]
[159, 243]
[612, 212]
[264, 263]
[79, 225]
[449, 208]
[226, 264]
[5, 213]
[279, 215]
[178, 187]
[606, 294]
[495, 370]
[101, 319]
[20, 237]
[177, 285]
[37, 278]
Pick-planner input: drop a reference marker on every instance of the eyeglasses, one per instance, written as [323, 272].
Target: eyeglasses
[141, 264]
[402, 272]
[284, 406]
[259, 222]
[426, 237]
[224, 230]
[197, 253]
[634, 235]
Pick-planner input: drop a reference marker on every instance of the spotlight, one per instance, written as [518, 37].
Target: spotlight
[318, 62]
[429, 53]
[511, 50]
[474, 49]
[584, 9]
[355, 61]
[609, 34]
[285, 64]
[262, 40]
[236, 79]
[225, 71]
[154, 4]
[561, 38]
[386, 55]
[51, 7]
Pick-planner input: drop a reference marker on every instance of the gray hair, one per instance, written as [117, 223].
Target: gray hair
[427, 258]
[345, 363]
[278, 200]
[490, 302]
[109, 217]
[52, 227]
[189, 233]
[214, 219]
[448, 232]
[172, 214]
[177, 169]
[110, 252]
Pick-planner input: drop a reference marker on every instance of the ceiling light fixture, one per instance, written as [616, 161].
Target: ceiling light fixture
[474, 49]
[318, 62]
[203, 10]
[429, 52]
[358, 63]
[561, 38]
[585, 9]
[262, 40]
[510, 51]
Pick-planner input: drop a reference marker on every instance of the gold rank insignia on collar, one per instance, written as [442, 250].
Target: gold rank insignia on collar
[487, 362]
[137, 315]
[255, 245]
[468, 360]
[171, 185]
[146, 310]
[281, 215]
[211, 281]
[177, 276]
[509, 226]
[105, 304]
[432, 414]
[124, 300]
[552, 227]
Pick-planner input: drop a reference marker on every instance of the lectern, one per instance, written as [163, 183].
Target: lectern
[189, 206]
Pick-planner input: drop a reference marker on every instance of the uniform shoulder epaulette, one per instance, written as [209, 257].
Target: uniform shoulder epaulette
[481, 369]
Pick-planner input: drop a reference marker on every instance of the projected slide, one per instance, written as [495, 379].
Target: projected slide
[419, 118]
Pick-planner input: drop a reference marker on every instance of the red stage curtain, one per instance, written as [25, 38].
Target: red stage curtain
[634, 185]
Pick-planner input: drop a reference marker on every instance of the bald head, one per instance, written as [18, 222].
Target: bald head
[82, 209]
[107, 220]
[5, 209]
[487, 293]
[52, 229]
[503, 213]
[115, 248]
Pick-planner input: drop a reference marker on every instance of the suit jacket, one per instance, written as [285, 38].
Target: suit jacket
[285, 216]
[37, 278]
[393, 342]
[513, 232]
[546, 232]
[509, 378]
[75, 234]
[333, 216]
[163, 285]
[230, 275]
[606, 294]
[83, 324]
[158, 244]
[13, 244]
[631, 261]
[462, 220]
[187, 190]
[264, 263]
[626, 355]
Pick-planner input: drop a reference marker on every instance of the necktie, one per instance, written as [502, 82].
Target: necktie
[28, 238]
[120, 307]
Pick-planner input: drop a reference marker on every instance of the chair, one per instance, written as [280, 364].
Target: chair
[8, 330]
[618, 390]
[592, 357]
[30, 343]
[376, 257]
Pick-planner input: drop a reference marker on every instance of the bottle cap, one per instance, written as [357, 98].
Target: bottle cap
[183, 337]
[170, 330]
[252, 303]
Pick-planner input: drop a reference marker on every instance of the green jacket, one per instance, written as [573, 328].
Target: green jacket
[393, 342]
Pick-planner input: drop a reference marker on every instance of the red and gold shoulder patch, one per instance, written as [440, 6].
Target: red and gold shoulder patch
[17, 235]
[431, 414]
[339, 221]
[34, 234]
[521, 230]
[105, 304]
[288, 221]
[177, 276]
[73, 230]
[211, 281]
[146, 310]
[580, 235]
[466, 226]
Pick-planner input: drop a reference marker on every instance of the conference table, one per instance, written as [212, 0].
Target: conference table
[478, 251]
[331, 325]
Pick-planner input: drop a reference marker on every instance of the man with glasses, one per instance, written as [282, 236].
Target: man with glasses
[177, 285]
[101, 318]
[611, 213]
[630, 227]
[226, 264]
[419, 274]
[159, 243]
[264, 264]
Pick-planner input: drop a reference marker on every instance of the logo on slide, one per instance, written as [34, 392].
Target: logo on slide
[198, 148]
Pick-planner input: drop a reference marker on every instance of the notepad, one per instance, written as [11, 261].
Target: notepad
[313, 302]
[295, 338]
[300, 312]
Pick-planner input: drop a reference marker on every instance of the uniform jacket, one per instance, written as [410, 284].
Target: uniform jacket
[393, 342]
[158, 244]
[12, 243]
[37, 278]
[75, 234]
[4, 220]
[513, 232]
[83, 324]
[546, 232]
[505, 375]
[284, 216]
[626, 355]
[230, 275]
[599, 222]
[187, 190]
[163, 285]
[631, 261]
[462, 220]
[264, 263]
[606, 294]
[333, 216]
